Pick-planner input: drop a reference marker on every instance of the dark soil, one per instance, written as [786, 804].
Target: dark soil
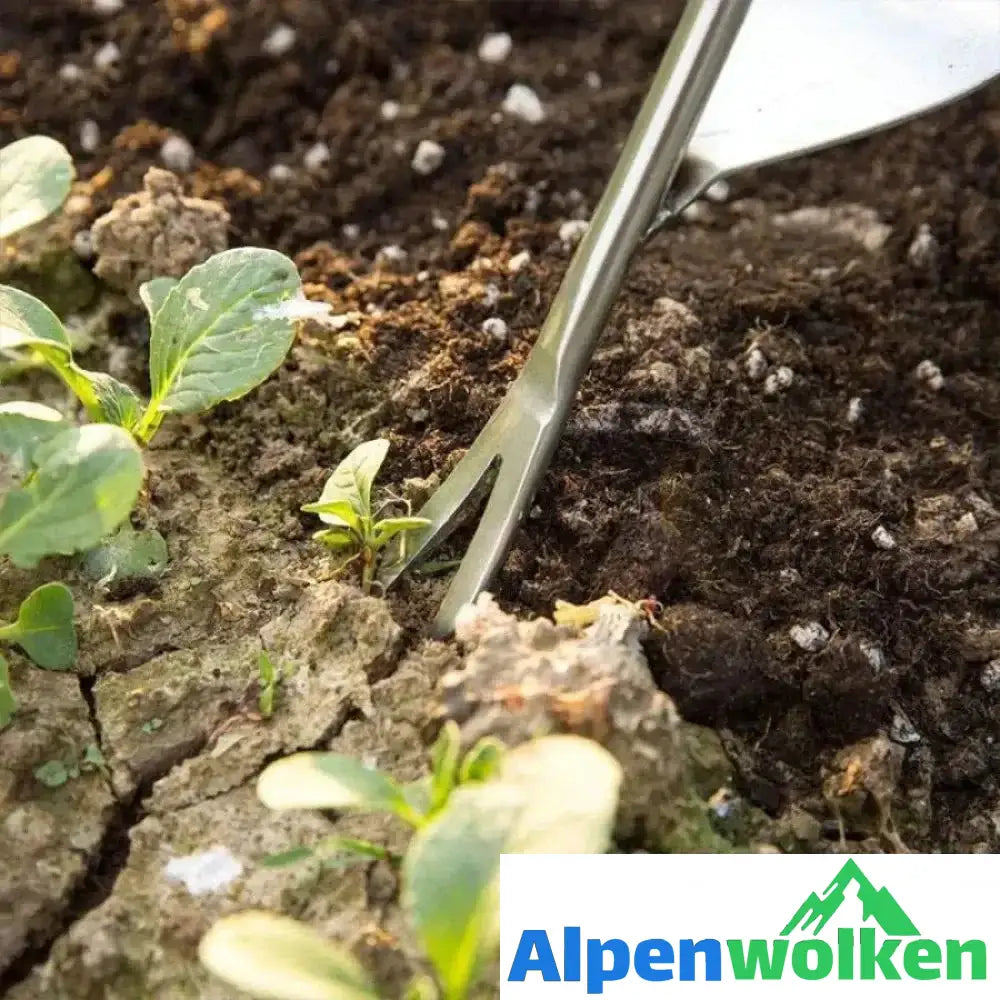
[744, 513]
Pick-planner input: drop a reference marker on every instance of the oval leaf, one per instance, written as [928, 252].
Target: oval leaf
[27, 322]
[219, 332]
[451, 882]
[35, 178]
[329, 781]
[45, 629]
[107, 399]
[86, 483]
[562, 813]
[154, 292]
[277, 958]
[24, 426]
[351, 482]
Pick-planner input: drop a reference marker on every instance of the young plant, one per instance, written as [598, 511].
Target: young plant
[35, 177]
[215, 335]
[77, 484]
[345, 505]
[555, 795]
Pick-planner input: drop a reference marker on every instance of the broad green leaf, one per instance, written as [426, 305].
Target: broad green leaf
[482, 762]
[86, 483]
[8, 703]
[451, 887]
[221, 331]
[277, 958]
[336, 538]
[339, 513]
[35, 177]
[444, 763]
[126, 557]
[26, 322]
[107, 400]
[329, 781]
[24, 426]
[154, 293]
[570, 789]
[392, 526]
[44, 628]
[351, 482]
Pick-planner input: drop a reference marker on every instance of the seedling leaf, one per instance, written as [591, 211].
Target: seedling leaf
[26, 322]
[351, 482]
[444, 764]
[8, 703]
[329, 781]
[451, 882]
[115, 402]
[44, 628]
[154, 293]
[336, 538]
[35, 177]
[24, 426]
[86, 483]
[339, 513]
[392, 526]
[217, 334]
[482, 762]
[277, 958]
[52, 774]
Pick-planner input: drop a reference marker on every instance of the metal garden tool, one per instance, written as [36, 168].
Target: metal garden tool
[743, 83]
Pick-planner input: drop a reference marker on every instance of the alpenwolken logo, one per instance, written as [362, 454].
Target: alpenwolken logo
[872, 939]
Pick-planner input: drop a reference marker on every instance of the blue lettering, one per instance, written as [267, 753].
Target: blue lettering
[597, 973]
[525, 960]
[654, 950]
[711, 949]
[572, 953]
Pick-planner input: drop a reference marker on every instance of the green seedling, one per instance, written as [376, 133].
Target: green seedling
[215, 335]
[469, 810]
[269, 677]
[35, 177]
[56, 773]
[77, 484]
[345, 506]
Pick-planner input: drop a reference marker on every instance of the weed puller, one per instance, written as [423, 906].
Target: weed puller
[743, 83]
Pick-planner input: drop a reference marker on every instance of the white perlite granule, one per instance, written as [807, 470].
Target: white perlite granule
[90, 136]
[811, 637]
[522, 102]
[496, 329]
[882, 539]
[207, 871]
[279, 42]
[317, 156]
[495, 47]
[571, 231]
[177, 154]
[930, 375]
[427, 157]
[107, 55]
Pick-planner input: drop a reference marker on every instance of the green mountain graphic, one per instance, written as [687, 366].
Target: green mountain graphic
[878, 904]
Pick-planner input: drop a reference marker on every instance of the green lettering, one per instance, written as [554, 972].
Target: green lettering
[806, 969]
[845, 953]
[921, 959]
[976, 950]
[757, 958]
[870, 958]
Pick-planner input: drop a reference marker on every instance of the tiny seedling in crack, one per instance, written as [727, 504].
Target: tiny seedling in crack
[56, 773]
[215, 335]
[269, 676]
[345, 506]
[35, 177]
[553, 795]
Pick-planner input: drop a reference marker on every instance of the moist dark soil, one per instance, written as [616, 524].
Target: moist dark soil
[696, 470]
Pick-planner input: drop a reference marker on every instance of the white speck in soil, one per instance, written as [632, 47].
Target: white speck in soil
[495, 47]
[107, 7]
[492, 294]
[391, 256]
[496, 329]
[317, 156]
[332, 66]
[778, 380]
[83, 244]
[177, 154]
[350, 231]
[718, 192]
[811, 637]
[207, 871]
[428, 156]
[389, 110]
[70, 73]
[854, 409]
[990, 677]
[279, 42]
[902, 730]
[755, 363]
[966, 525]
[592, 79]
[522, 102]
[106, 56]
[883, 539]
[930, 375]
[872, 652]
[90, 136]
[518, 261]
[924, 250]
[439, 222]
[571, 231]
[697, 211]
[280, 173]
[790, 576]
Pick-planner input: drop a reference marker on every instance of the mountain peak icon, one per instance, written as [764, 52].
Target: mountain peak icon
[877, 904]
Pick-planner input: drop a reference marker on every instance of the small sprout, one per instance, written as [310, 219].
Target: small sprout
[522, 102]
[54, 773]
[883, 539]
[495, 47]
[427, 157]
[152, 725]
[8, 703]
[811, 637]
[345, 506]
[35, 177]
[269, 677]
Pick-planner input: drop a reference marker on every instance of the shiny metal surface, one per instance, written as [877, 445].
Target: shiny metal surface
[802, 74]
